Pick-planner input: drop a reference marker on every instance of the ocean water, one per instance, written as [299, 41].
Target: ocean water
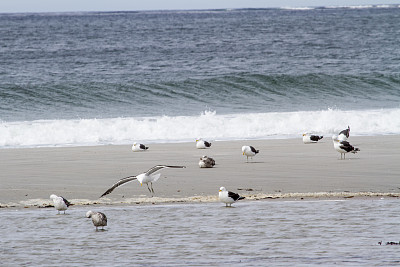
[72, 79]
[251, 233]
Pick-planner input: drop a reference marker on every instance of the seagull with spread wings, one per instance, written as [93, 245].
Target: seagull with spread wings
[144, 178]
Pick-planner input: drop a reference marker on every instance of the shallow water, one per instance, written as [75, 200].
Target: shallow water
[342, 232]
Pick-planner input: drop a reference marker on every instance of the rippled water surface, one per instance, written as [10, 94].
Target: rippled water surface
[249, 234]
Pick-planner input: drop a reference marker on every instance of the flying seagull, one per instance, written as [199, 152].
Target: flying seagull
[343, 147]
[228, 197]
[60, 203]
[99, 219]
[249, 151]
[139, 147]
[143, 178]
[310, 138]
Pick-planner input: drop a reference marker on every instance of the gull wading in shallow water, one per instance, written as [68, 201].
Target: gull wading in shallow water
[99, 219]
[139, 147]
[201, 144]
[60, 203]
[310, 138]
[143, 178]
[228, 197]
[249, 151]
[343, 147]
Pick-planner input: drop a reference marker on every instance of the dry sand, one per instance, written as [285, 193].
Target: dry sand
[283, 168]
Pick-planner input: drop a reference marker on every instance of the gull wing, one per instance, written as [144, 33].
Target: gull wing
[66, 202]
[159, 167]
[120, 182]
[234, 196]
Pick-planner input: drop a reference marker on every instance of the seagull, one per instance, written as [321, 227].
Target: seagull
[201, 144]
[60, 203]
[139, 147]
[143, 178]
[343, 135]
[309, 138]
[206, 162]
[249, 151]
[228, 197]
[343, 147]
[98, 219]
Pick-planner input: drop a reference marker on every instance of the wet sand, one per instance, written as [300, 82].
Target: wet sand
[283, 168]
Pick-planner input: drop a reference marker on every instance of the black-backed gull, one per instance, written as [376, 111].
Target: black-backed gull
[139, 147]
[249, 151]
[143, 178]
[310, 138]
[60, 203]
[343, 135]
[201, 144]
[228, 197]
[343, 147]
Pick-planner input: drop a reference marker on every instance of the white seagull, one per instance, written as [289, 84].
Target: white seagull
[343, 135]
[228, 197]
[206, 162]
[249, 151]
[343, 147]
[310, 138]
[139, 147]
[60, 203]
[201, 144]
[143, 178]
[99, 219]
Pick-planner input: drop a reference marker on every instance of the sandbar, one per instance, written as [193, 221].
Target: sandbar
[283, 168]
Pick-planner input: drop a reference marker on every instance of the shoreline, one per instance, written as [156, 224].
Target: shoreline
[284, 169]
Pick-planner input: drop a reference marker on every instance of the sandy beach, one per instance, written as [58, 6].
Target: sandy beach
[282, 169]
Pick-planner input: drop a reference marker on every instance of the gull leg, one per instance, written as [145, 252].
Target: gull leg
[152, 190]
[148, 187]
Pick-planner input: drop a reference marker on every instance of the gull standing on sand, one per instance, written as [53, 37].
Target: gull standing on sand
[99, 219]
[139, 147]
[60, 203]
[343, 135]
[228, 197]
[343, 147]
[143, 178]
[310, 138]
[201, 144]
[249, 151]
[206, 162]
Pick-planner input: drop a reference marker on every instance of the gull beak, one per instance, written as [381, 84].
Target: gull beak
[141, 184]
[219, 190]
[243, 153]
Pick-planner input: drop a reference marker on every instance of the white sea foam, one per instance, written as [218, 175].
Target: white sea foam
[210, 125]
